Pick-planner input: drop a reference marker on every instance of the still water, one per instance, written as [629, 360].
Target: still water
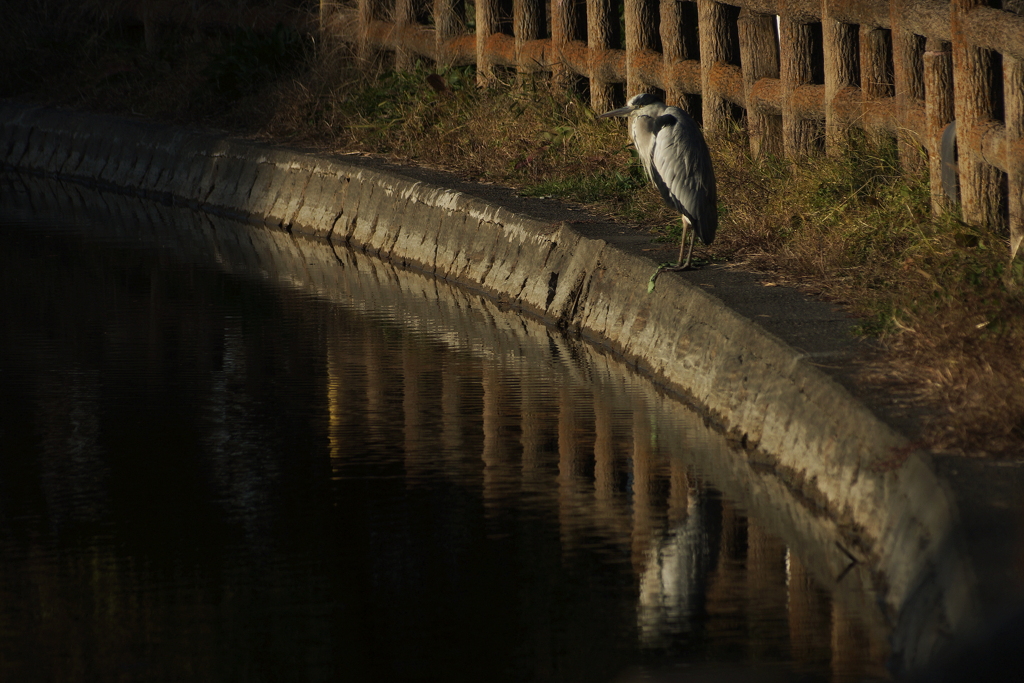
[229, 454]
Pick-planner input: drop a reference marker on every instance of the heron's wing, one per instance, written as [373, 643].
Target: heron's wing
[681, 170]
[641, 130]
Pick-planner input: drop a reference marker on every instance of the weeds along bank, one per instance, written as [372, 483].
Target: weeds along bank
[854, 228]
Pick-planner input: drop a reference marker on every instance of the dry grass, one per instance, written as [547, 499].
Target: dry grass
[858, 230]
[855, 229]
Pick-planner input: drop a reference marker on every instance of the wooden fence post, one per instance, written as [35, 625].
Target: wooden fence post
[972, 78]
[563, 30]
[449, 23]
[486, 25]
[875, 76]
[599, 38]
[841, 59]
[876, 80]
[367, 12]
[641, 35]
[908, 75]
[680, 41]
[714, 49]
[404, 16]
[938, 111]
[527, 18]
[759, 55]
[672, 49]
[1013, 96]
[796, 69]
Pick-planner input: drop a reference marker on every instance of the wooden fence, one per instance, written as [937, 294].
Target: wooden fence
[804, 72]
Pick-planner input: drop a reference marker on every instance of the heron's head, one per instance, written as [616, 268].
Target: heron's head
[635, 103]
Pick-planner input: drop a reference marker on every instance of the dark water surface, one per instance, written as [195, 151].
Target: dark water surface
[228, 454]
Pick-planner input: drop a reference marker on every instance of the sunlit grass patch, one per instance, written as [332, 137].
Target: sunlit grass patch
[858, 228]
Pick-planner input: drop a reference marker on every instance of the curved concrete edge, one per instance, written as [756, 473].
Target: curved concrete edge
[824, 444]
[439, 313]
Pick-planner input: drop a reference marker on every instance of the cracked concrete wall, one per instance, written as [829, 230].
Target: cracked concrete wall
[824, 444]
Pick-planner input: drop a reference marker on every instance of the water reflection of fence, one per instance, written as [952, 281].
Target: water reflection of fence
[573, 439]
[803, 72]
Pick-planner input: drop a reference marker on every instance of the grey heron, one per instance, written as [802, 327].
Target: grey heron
[677, 161]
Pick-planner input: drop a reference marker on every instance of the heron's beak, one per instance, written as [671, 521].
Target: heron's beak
[617, 112]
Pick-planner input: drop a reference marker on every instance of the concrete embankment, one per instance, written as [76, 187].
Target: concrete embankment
[820, 441]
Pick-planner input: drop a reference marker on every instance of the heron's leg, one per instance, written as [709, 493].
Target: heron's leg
[689, 252]
[682, 241]
[680, 263]
[687, 231]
